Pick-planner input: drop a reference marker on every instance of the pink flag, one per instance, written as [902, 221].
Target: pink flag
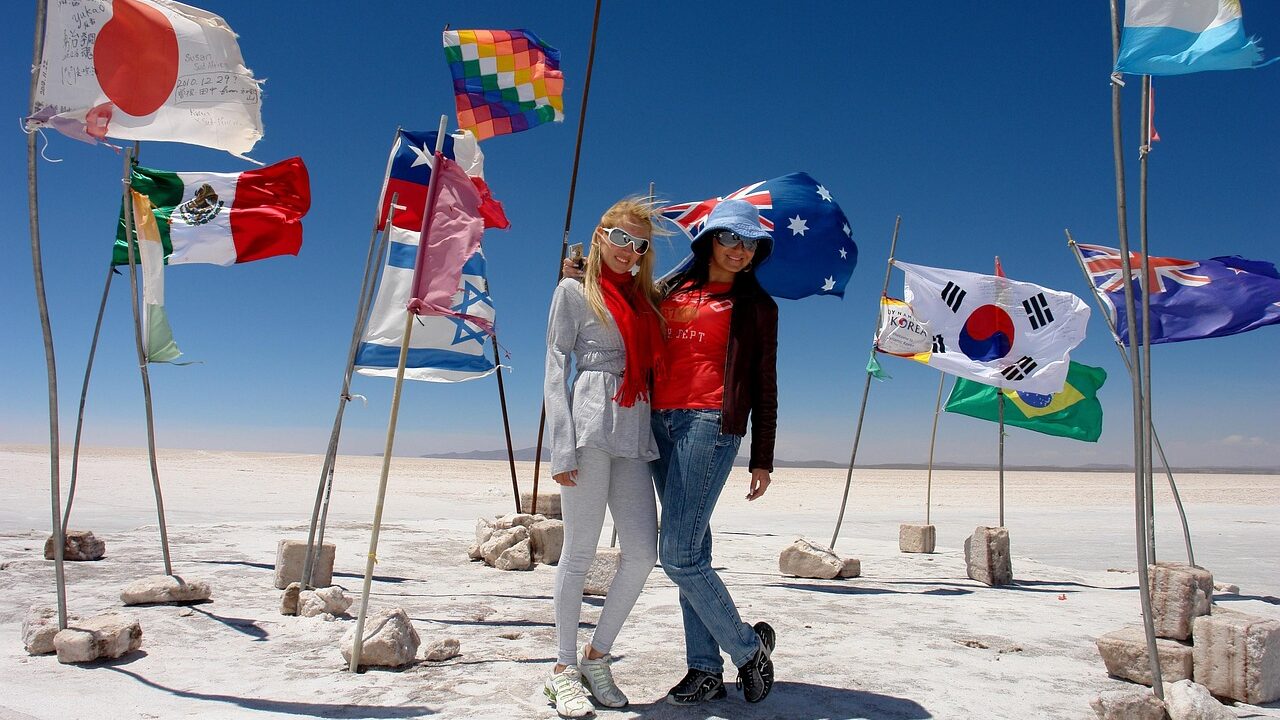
[450, 236]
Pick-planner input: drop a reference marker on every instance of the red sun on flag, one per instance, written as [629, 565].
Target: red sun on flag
[136, 57]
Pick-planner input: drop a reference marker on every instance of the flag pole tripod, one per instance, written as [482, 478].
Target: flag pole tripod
[1143, 151]
[320, 511]
[1139, 489]
[84, 395]
[372, 557]
[866, 386]
[564, 242]
[1173, 486]
[933, 438]
[134, 300]
[46, 329]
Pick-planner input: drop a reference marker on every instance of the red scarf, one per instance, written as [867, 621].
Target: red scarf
[641, 337]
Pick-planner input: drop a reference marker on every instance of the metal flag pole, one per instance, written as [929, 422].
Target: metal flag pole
[46, 329]
[866, 386]
[1173, 486]
[1143, 151]
[428, 212]
[1000, 415]
[325, 486]
[506, 422]
[134, 302]
[933, 437]
[564, 242]
[84, 395]
[1139, 487]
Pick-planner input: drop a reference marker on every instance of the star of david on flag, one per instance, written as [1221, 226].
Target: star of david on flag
[996, 331]
[1190, 299]
[813, 248]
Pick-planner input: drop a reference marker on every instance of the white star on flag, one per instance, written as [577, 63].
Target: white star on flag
[824, 193]
[844, 254]
[797, 226]
[828, 284]
[424, 156]
[847, 231]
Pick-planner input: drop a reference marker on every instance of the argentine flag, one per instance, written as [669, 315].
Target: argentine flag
[1175, 37]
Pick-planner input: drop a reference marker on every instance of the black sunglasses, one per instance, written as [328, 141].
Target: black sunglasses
[731, 239]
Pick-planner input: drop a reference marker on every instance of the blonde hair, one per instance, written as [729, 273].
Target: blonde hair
[641, 211]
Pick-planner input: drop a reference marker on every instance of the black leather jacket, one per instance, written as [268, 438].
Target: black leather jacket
[751, 376]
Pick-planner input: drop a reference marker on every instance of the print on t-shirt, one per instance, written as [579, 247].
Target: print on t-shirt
[697, 339]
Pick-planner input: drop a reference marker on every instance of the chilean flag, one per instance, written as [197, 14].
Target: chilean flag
[409, 173]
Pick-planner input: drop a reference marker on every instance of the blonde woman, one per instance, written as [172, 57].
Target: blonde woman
[602, 441]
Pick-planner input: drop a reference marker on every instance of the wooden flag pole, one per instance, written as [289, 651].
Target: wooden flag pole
[564, 241]
[1143, 151]
[933, 437]
[46, 329]
[134, 302]
[866, 386]
[325, 486]
[1139, 490]
[84, 394]
[1173, 486]
[409, 316]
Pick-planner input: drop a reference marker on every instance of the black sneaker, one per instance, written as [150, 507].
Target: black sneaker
[755, 679]
[697, 686]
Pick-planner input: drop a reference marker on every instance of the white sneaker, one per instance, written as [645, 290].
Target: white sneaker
[598, 678]
[565, 690]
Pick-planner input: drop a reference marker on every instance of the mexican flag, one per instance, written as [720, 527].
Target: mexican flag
[1074, 412]
[224, 218]
[157, 337]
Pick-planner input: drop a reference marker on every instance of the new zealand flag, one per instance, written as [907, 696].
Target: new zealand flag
[1190, 299]
[813, 248]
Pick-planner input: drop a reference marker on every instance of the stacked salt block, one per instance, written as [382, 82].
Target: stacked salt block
[38, 629]
[517, 541]
[1125, 654]
[329, 602]
[102, 637]
[291, 559]
[807, 559]
[548, 504]
[1183, 700]
[986, 556]
[602, 571]
[157, 589]
[916, 538]
[389, 640]
[1238, 656]
[1138, 704]
[80, 546]
[1186, 700]
[1179, 593]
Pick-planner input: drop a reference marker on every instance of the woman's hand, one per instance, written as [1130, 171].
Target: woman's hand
[566, 478]
[759, 483]
[569, 270]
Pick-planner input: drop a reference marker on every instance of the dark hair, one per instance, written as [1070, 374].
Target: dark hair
[698, 274]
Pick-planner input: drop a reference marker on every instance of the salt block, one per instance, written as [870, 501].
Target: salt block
[80, 546]
[1127, 704]
[986, 556]
[548, 504]
[329, 600]
[511, 520]
[916, 538]
[1186, 700]
[389, 640]
[165, 589]
[291, 557]
[500, 541]
[547, 538]
[440, 650]
[102, 637]
[1223, 588]
[38, 629]
[1237, 656]
[516, 557]
[850, 568]
[602, 571]
[289, 601]
[806, 559]
[1125, 654]
[1179, 593]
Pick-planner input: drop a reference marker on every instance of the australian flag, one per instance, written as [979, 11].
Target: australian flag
[1190, 299]
[409, 173]
[813, 248]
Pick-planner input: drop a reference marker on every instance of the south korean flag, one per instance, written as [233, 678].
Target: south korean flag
[994, 330]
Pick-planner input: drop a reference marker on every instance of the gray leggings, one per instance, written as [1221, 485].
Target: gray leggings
[625, 486]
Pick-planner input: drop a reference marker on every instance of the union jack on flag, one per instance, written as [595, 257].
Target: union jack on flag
[1223, 296]
[691, 216]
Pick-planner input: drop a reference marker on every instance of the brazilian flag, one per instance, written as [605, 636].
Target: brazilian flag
[1074, 412]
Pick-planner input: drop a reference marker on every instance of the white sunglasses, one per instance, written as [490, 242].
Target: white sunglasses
[618, 237]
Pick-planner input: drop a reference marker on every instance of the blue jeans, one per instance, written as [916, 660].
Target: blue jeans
[690, 474]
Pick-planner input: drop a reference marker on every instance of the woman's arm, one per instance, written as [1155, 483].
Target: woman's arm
[562, 334]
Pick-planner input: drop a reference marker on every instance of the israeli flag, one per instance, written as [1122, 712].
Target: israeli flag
[441, 349]
[1175, 37]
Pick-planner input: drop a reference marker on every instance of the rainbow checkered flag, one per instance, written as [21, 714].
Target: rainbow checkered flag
[504, 81]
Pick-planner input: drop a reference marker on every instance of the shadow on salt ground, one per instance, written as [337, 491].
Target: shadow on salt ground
[864, 590]
[496, 623]
[462, 595]
[794, 701]
[323, 710]
[272, 567]
[1269, 599]
[244, 625]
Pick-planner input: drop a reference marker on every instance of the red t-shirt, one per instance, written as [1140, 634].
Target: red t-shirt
[697, 341]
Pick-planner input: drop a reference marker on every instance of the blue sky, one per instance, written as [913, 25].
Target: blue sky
[986, 126]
